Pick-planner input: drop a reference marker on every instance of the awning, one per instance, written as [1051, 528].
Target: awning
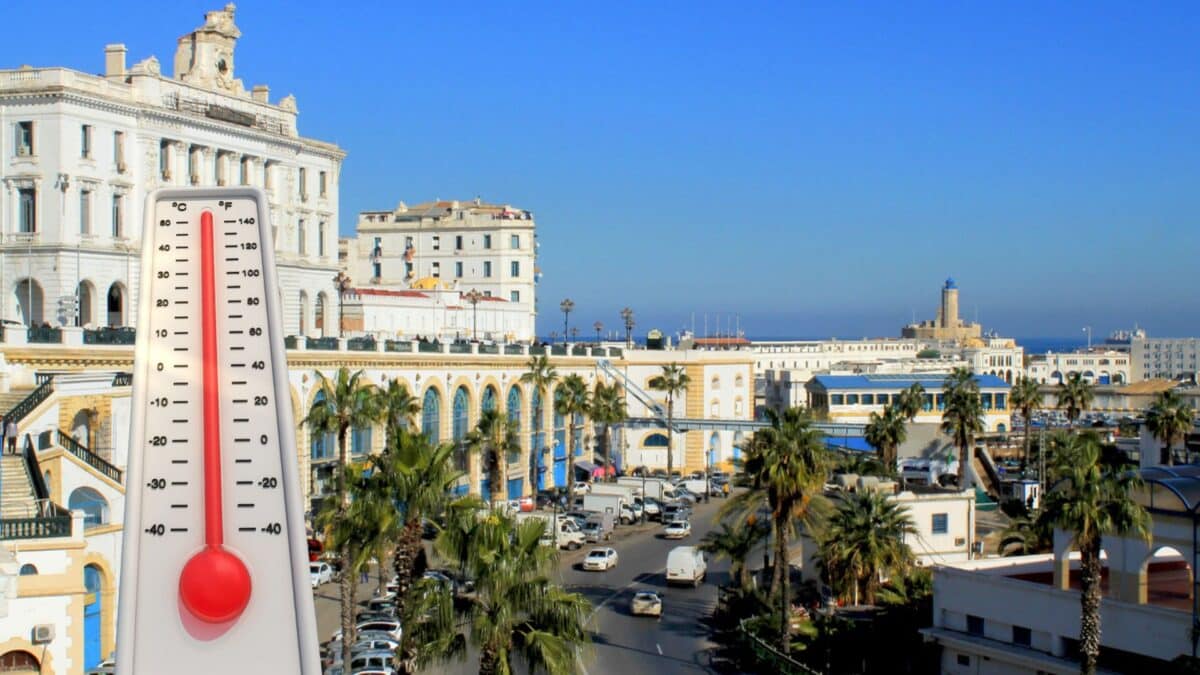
[590, 468]
[857, 443]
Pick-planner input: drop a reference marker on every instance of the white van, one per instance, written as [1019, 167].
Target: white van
[686, 565]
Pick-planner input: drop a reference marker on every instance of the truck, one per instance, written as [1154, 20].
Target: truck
[560, 531]
[605, 521]
[655, 488]
[686, 565]
[698, 487]
[608, 504]
[626, 491]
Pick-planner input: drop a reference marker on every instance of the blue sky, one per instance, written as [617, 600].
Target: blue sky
[818, 170]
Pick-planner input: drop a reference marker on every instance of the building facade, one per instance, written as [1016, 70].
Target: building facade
[453, 246]
[1166, 358]
[1097, 367]
[947, 326]
[852, 398]
[79, 153]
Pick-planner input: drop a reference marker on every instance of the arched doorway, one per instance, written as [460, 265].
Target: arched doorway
[560, 444]
[1165, 579]
[714, 449]
[516, 482]
[86, 315]
[29, 302]
[431, 415]
[738, 439]
[93, 505]
[537, 441]
[460, 424]
[303, 313]
[19, 662]
[81, 428]
[319, 319]
[92, 611]
[488, 402]
[116, 305]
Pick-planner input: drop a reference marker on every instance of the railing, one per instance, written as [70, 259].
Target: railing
[44, 335]
[558, 350]
[537, 350]
[397, 346]
[110, 336]
[513, 349]
[90, 458]
[774, 660]
[489, 349]
[579, 350]
[33, 400]
[615, 351]
[429, 347]
[289, 342]
[361, 344]
[123, 380]
[329, 343]
[460, 348]
[42, 378]
[57, 523]
[35, 470]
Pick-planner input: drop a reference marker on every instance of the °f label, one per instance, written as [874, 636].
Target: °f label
[215, 576]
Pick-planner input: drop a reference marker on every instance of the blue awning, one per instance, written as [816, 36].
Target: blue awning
[856, 443]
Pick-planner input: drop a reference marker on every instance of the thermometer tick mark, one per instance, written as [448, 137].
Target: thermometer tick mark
[179, 461]
[181, 349]
[245, 506]
[241, 440]
[181, 247]
[234, 286]
[245, 529]
[181, 274]
[179, 440]
[181, 332]
[181, 260]
[236, 332]
[179, 506]
[179, 482]
[179, 529]
[241, 461]
[237, 349]
[231, 260]
[245, 482]
[240, 400]
[184, 402]
[181, 288]
[235, 316]
[239, 382]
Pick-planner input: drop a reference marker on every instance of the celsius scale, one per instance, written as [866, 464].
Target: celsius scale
[214, 575]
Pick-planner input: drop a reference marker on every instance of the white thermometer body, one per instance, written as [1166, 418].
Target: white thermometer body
[215, 571]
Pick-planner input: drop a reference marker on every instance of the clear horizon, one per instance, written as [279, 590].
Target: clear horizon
[818, 170]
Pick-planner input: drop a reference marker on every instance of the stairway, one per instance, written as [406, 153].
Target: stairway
[13, 397]
[17, 499]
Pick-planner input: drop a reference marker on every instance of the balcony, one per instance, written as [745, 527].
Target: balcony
[362, 344]
[44, 335]
[397, 346]
[326, 343]
[110, 336]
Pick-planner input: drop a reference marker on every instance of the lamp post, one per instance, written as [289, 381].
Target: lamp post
[598, 327]
[575, 333]
[342, 283]
[566, 306]
[627, 317]
[473, 296]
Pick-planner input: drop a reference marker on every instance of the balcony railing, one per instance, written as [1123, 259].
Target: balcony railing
[489, 349]
[397, 346]
[558, 350]
[33, 400]
[110, 336]
[44, 335]
[90, 458]
[328, 343]
[429, 347]
[537, 350]
[579, 350]
[361, 344]
[290, 342]
[123, 380]
[513, 349]
[460, 348]
[55, 523]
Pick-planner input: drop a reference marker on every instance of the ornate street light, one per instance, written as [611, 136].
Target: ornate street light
[598, 328]
[473, 296]
[627, 317]
[566, 306]
[342, 283]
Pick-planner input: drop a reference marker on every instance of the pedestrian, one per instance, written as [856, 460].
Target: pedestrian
[363, 576]
[10, 434]
[2, 433]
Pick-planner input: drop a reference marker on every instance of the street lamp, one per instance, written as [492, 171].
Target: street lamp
[575, 333]
[599, 327]
[566, 306]
[473, 296]
[342, 283]
[627, 317]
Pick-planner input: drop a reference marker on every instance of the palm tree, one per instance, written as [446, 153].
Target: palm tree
[571, 400]
[1076, 395]
[608, 408]
[494, 440]
[400, 408]
[912, 400]
[673, 381]
[865, 538]
[885, 433]
[1170, 420]
[540, 376]
[1027, 535]
[1092, 498]
[962, 418]
[516, 609]
[787, 462]
[736, 543]
[1026, 396]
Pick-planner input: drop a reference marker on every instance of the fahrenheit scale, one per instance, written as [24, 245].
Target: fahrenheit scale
[214, 573]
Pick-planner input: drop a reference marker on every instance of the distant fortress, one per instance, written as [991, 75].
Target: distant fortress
[947, 326]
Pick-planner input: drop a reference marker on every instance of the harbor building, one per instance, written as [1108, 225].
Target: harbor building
[852, 398]
[451, 248]
[80, 152]
[1098, 366]
[947, 326]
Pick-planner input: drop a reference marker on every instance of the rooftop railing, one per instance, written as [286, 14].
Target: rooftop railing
[110, 336]
[362, 344]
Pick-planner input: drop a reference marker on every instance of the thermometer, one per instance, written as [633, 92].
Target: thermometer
[214, 574]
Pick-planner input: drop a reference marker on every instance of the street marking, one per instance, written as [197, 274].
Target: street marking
[659, 647]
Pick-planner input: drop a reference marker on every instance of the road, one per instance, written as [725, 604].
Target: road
[621, 644]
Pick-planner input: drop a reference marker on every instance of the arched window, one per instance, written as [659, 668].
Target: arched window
[85, 291]
[577, 441]
[514, 407]
[714, 448]
[322, 445]
[655, 441]
[489, 399]
[716, 382]
[537, 439]
[116, 305]
[738, 382]
[319, 320]
[360, 440]
[303, 313]
[19, 662]
[461, 424]
[28, 570]
[93, 505]
[560, 425]
[29, 302]
[431, 415]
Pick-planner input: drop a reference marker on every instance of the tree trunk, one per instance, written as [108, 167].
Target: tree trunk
[534, 427]
[570, 462]
[607, 456]
[502, 472]
[349, 587]
[404, 562]
[963, 459]
[670, 435]
[767, 561]
[1089, 598]
[489, 661]
[785, 600]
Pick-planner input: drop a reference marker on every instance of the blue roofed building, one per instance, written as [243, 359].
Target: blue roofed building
[852, 398]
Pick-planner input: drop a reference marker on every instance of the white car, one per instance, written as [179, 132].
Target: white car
[319, 573]
[379, 628]
[646, 603]
[582, 486]
[600, 559]
[677, 529]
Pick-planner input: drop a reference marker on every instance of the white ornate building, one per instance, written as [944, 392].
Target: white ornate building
[80, 152]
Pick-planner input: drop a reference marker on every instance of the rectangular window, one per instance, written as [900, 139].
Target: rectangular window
[515, 241]
[458, 242]
[85, 141]
[408, 242]
[322, 184]
[868, 399]
[487, 294]
[436, 270]
[27, 213]
[836, 399]
[321, 239]
[1022, 636]
[1001, 401]
[24, 140]
[940, 524]
[378, 270]
[515, 268]
[514, 296]
[974, 624]
[164, 159]
[85, 211]
[487, 268]
[962, 660]
[302, 238]
[302, 181]
[119, 150]
[487, 241]
[437, 243]
[268, 176]
[117, 216]
[243, 174]
[458, 269]
[851, 399]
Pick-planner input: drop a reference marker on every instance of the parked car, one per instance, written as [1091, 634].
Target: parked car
[105, 667]
[319, 573]
[646, 603]
[593, 532]
[684, 495]
[582, 486]
[672, 512]
[650, 506]
[678, 529]
[600, 559]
